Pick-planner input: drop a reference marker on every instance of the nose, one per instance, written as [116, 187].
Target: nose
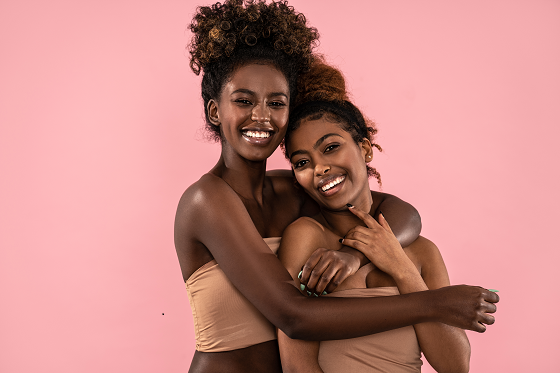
[321, 169]
[261, 113]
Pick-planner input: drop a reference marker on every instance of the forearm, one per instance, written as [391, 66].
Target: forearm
[446, 348]
[297, 355]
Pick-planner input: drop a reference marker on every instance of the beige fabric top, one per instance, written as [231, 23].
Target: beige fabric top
[393, 351]
[224, 319]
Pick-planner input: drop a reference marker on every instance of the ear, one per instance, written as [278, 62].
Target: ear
[213, 112]
[367, 151]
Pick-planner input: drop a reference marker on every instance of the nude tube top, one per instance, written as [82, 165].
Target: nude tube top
[224, 319]
[393, 351]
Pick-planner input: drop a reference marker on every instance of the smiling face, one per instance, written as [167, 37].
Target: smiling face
[328, 163]
[252, 111]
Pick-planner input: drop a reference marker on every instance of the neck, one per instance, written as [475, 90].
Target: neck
[340, 222]
[245, 177]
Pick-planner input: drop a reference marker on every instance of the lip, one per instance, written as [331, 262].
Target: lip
[258, 140]
[328, 180]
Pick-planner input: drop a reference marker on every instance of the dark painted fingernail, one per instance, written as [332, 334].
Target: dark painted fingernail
[341, 240]
[299, 274]
[493, 290]
[349, 205]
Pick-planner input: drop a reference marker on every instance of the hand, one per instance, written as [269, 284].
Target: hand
[326, 269]
[378, 243]
[466, 307]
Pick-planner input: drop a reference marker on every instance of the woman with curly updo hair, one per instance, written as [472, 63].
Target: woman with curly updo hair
[229, 223]
[329, 144]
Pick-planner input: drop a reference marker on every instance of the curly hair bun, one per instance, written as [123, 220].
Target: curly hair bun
[321, 83]
[221, 29]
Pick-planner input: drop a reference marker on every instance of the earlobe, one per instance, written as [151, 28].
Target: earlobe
[213, 112]
[367, 151]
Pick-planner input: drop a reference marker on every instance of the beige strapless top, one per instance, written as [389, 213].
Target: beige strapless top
[393, 351]
[224, 319]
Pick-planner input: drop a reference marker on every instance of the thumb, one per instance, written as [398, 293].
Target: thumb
[383, 222]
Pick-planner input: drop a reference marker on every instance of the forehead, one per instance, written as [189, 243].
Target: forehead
[309, 131]
[261, 78]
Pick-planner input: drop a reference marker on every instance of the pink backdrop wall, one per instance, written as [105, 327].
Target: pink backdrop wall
[100, 134]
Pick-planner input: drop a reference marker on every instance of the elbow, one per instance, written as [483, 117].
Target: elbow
[294, 324]
[293, 327]
[458, 366]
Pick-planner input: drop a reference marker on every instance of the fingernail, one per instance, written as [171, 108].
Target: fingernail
[493, 290]
[316, 295]
[302, 287]
[299, 274]
[324, 293]
[381, 213]
[341, 240]
[309, 293]
[349, 205]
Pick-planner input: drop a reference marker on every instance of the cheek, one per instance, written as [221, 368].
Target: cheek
[305, 179]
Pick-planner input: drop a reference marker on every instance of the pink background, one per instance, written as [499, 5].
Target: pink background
[100, 134]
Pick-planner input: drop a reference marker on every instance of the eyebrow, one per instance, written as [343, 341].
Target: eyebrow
[316, 145]
[249, 92]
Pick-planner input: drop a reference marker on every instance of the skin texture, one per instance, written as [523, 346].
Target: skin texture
[323, 151]
[225, 214]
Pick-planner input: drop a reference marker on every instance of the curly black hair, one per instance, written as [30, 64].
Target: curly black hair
[237, 32]
[322, 94]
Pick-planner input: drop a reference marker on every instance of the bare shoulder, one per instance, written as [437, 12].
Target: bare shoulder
[300, 239]
[425, 254]
[203, 202]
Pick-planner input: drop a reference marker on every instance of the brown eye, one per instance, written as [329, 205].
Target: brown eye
[300, 164]
[331, 148]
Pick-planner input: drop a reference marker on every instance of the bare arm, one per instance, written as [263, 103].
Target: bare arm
[211, 214]
[345, 262]
[298, 355]
[446, 348]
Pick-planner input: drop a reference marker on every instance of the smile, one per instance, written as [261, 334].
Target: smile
[257, 134]
[333, 183]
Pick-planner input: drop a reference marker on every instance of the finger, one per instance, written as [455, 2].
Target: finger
[491, 296]
[479, 327]
[384, 223]
[326, 278]
[358, 236]
[490, 307]
[310, 265]
[337, 279]
[355, 244]
[317, 273]
[487, 319]
[366, 218]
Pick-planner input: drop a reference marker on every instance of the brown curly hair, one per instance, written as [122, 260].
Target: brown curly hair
[237, 32]
[322, 93]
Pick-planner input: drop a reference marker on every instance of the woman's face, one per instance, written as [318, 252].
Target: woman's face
[253, 110]
[328, 164]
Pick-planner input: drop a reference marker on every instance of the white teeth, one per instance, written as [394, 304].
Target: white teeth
[336, 181]
[257, 134]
